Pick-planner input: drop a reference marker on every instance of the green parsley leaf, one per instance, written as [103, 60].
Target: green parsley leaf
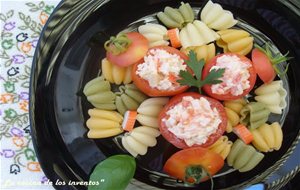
[189, 79]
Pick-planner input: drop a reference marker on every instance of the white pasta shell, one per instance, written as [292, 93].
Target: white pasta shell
[154, 101]
[145, 139]
[147, 130]
[223, 22]
[128, 148]
[159, 43]
[136, 146]
[184, 38]
[269, 88]
[206, 9]
[152, 37]
[269, 99]
[150, 110]
[147, 120]
[214, 13]
[207, 34]
[275, 109]
[194, 34]
[152, 28]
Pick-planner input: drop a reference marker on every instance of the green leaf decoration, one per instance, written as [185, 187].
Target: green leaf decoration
[197, 66]
[113, 173]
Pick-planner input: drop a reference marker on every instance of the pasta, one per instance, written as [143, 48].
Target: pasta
[148, 111]
[196, 34]
[103, 123]
[222, 146]
[235, 41]
[243, 157]
[205, 52]
[254, 114]
[176, 18]
[114, 73]
[216, 17]
[267, 137]
[129, 98]
[273, 95]
[139, 139]
[99, 94]
[233, 109]
[155, 33]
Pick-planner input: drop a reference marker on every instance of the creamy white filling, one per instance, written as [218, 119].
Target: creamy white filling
[192, 120]
[161, 69]
[235, 78]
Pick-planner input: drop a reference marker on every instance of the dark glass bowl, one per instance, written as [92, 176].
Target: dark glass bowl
[68, 56]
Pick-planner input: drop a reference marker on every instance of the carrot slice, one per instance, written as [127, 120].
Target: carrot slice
[173, 35]
[243, 133]
[129, 120]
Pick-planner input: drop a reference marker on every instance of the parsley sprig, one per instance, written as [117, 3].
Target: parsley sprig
[188, 79]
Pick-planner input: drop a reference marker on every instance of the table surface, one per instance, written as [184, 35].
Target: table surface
[21, 25]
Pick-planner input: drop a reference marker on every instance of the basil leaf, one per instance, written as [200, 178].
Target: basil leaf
[114, 172]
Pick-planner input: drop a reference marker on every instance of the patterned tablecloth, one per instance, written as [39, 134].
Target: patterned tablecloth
[21, 25]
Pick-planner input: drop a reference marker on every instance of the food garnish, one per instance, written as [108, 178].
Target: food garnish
[261, 56]
[126, 48]
[194, 165]
[188, 79]
[115, 172]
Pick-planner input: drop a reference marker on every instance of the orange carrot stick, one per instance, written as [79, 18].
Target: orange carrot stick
[173, 35]
[129, 120]
[243, 133]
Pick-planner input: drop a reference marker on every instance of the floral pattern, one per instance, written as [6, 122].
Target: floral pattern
[21, 25]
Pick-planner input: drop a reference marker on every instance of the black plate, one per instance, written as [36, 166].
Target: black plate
[68, 56]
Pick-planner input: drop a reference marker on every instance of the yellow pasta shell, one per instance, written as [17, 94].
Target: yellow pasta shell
[267, 133]
[259, 141]
[94, 134]
[240, 44]
[107, 70]
[232, 35]
[232, 116]
[278, 135]
[104, 114]
[98, 123]
[226, 150]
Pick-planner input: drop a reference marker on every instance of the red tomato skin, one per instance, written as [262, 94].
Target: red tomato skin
[143, 84]
[178, 162]
[263, 66]
[228, 96]
[179, 143]
[135, 52]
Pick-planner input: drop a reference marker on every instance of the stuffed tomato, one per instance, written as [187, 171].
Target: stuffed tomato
[157, 73]
[237, 81]
[192, 120]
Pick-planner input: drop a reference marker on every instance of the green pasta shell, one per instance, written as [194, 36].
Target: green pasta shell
[255, 159]
[129, 98]
[99, 94]
[237, 146]
[187, 12]
[177, 18]
[243, 157]
[254, 115]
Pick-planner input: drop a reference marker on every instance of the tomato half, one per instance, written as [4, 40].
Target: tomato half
[196, 159]
[134, 52]
[143, 84]
[180, 143]
[228, 96]
[263, 66]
